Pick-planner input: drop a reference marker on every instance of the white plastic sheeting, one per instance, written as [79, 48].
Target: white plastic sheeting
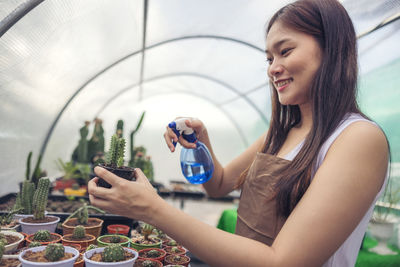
[69, 61]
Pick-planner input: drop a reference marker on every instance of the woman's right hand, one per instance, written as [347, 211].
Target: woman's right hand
[170, 137]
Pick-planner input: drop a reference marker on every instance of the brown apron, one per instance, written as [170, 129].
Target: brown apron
[257, 212]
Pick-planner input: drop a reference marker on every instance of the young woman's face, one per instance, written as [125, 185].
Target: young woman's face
[293, 57]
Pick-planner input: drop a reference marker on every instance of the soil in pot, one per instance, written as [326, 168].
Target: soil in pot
[175, 250]
[113, 239]
[177, 259]
[98, 256]
[152, 253]
[90, 223]
[125, 172]
[33, 220]
[39, 256]
[54, 238]
[9, 262]
[147, 263]
[141, 240]
[11, 239]
[9, 225]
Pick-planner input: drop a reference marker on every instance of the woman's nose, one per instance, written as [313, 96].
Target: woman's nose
[275, 69]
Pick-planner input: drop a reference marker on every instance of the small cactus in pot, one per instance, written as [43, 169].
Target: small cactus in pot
[79, 232]
[115, 161]
[54, 252]
[113, 253]
[42, 236]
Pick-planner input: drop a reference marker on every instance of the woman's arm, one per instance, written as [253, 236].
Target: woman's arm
[341, 192]
[224, 178]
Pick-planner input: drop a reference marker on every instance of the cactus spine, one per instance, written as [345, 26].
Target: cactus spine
[40, 198]
[28, 190]
[42, 236]
[148, 263]
[54, 251]
[79, 232]
[113, 253]
[153, 253]
[147, 229]
[91, 246]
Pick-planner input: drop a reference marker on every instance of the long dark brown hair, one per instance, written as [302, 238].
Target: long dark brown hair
[333, 93]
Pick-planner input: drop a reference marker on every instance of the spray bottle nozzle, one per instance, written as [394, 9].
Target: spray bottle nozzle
[180, 128]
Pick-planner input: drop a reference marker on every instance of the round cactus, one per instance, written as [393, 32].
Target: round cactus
[54, 251]
[115, 239]
[34, 244]
[148, 263]
[42, 236]
[175, 250]
[172, 243]
[79, 232]
[113, 253]
[147, 230]
[153, 253]
[3, 239]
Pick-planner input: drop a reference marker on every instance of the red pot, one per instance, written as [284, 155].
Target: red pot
[118, 229]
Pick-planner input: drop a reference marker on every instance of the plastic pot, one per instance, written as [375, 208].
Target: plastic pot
[29, 239]
[101, 243]
[118, 229]
[89, 263]
[139, 247]
[91, 230]
[65, 263]
[31, 228]
[82, 243]
[13, 246]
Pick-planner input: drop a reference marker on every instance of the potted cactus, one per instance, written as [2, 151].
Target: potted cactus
[113, 255]
[147, 263]
[152, 253]
[115, 161]
[81, 217]
[39, 220]
[175, 250]
[11, 240]
[177, 260]
[145, 240]
[7, 221]
[80, 237]
[44, 237]
[54, 254]
[106, 240]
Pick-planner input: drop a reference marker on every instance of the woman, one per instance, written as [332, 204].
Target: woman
[309, 184]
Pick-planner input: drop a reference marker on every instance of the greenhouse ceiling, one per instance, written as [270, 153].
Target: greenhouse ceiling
[64, 62]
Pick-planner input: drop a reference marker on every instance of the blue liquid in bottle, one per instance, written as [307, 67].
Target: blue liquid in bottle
[196, 164]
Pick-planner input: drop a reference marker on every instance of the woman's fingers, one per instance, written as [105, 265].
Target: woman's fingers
[170, 137]
[109, 177]
[97, 191]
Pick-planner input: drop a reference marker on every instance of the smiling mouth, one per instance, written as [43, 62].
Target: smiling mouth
[282, 83]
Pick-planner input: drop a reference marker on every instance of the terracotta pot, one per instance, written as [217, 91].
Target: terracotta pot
[159, 258]
[29, 239]
[81, 262]
[169, 260]
[82, 243]
[181, 251]
[118, 229]
[91, 230]
[23, 243]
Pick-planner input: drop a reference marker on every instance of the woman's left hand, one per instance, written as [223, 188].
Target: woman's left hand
[134, 199]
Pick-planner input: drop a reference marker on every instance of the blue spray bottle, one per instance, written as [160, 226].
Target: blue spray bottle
[196, 163]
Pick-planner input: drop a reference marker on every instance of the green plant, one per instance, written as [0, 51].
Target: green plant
[132, 136]
[175, 249]
[120, 128]
[115, 156]
[79, 232]
[34, 244]
[54, 251]
[147, 230]
[3, 238]
[40, 198]
[8, 217]
[115, 239]
[71, 171]
[42, 236]
[2, 245]
[172, 243]
[82, 213]
[113, 253]
[91, 246]
[148, 263]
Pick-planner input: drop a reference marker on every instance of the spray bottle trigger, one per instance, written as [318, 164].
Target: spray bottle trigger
[172, 125]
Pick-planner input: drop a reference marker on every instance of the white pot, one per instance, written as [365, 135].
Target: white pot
[31, 228]
[65, 263]
[89, 263]
[13, 246]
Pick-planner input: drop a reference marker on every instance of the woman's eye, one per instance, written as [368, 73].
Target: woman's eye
[285, 51]
[269, 61]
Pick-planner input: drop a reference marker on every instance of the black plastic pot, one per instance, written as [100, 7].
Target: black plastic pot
[127, 173]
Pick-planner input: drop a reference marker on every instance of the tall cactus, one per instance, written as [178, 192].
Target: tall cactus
[132, 139]
[26, 198]
[54, 251]
[115, 157]
[40, 198]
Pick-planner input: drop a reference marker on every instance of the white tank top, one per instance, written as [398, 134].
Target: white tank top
[347, 253]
